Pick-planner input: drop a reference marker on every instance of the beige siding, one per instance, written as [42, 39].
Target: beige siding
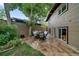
[69, 18]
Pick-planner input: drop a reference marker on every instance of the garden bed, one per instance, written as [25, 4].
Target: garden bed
[22, 50]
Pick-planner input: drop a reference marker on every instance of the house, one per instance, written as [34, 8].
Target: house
[22, 28]
[63, 22]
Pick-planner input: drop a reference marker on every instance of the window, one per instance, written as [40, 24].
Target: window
[63, 9]
[59, 12]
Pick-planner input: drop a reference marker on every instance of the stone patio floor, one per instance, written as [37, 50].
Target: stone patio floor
[54, 48]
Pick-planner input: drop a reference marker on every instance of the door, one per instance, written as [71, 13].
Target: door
[63, 33]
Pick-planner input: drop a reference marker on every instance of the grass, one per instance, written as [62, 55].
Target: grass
[22, 50]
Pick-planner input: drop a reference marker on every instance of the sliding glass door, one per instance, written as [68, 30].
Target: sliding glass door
[63, 33]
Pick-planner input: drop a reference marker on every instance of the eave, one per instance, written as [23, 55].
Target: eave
[52, 10]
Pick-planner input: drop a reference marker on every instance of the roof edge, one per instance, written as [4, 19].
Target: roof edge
[52, 10]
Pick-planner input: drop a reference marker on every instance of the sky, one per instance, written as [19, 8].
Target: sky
[1, 5]
[15, 13]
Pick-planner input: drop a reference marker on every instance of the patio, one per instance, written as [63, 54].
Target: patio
[52, 49]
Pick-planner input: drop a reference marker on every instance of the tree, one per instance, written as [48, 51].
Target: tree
[35, 10]
[7, 13]
[2, 14]
[8, 7]
[31, 10]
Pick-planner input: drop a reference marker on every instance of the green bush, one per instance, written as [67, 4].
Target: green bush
[15, 42]
[3, 39]
[7, 33]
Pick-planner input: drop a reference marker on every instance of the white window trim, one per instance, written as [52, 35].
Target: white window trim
[64, 10]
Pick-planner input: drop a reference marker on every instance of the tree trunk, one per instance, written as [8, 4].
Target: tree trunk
[30, 28]
[6, 6]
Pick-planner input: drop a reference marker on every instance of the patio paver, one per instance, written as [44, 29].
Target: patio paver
[52, 49]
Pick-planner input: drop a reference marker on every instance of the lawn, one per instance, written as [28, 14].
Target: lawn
[22, 50]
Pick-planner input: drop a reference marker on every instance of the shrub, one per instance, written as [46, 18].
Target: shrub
[14, 42]
[3, 39]
[7, 33]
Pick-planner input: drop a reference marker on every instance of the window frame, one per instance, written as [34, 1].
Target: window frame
[66, 8]
[62, 8]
